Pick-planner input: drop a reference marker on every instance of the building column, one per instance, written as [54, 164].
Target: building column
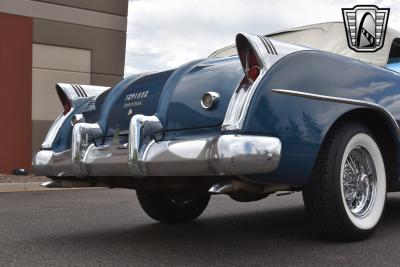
[15, 92]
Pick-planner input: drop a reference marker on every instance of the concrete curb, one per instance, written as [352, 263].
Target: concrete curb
[28, 187]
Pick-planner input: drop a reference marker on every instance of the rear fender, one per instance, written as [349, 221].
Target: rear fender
[78, 93]
[72, 97]
[300, 104]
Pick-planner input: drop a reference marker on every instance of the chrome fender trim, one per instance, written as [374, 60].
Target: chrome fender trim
[241, 99]
[342, 100]
[54, 129]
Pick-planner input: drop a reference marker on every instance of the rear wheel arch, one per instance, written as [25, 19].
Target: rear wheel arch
[383, 130]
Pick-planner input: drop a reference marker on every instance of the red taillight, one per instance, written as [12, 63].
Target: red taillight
[67, 107]
[248, 57]
[65, 101]
[253, 73]
[252, 65]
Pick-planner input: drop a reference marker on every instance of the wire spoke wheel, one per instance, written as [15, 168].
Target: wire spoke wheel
[359, 182]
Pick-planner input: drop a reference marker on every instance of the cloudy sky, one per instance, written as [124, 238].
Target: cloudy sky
[164, 34]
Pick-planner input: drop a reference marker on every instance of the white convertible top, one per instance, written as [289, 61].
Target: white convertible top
[331, 37]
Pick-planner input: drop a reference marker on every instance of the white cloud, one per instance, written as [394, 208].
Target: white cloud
[165, 34]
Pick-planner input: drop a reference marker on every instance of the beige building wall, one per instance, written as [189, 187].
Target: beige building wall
[74, 41]
[50, 65]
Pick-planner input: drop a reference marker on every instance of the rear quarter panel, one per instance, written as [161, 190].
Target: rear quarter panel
[302, 123]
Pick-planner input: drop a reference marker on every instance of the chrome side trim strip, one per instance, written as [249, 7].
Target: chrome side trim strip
[340, 100]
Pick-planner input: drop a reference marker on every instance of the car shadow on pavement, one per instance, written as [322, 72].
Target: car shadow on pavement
[229, 230]
[276, 233]
[392, 211]
[291, 223]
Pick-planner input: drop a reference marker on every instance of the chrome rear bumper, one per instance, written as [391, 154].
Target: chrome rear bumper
[144, 156]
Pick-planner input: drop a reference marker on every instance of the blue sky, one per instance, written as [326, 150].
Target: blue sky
[165, 34]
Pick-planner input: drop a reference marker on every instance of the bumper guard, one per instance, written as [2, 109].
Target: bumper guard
[144, 156]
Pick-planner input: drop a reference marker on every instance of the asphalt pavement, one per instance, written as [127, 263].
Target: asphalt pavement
[103, 227]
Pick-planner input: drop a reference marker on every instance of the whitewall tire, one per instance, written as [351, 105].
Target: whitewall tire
[363, 192]
[346, 194]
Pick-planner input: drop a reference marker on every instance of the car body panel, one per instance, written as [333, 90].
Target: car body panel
[137, 94]
[63, 140]
[302, 123]
[185, 111]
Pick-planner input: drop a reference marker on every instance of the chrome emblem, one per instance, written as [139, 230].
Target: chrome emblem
[365, 27]
[209, 100]
[135, 99]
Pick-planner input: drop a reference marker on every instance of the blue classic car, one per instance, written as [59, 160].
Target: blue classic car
[290, 111]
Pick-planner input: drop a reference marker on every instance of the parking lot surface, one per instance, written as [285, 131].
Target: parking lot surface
[100, 227]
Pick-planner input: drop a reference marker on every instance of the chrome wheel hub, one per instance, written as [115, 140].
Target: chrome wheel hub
[359, 182]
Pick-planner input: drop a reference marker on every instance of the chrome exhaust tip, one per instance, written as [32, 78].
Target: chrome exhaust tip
[222, 188]
[73, 183]
[51, 184]
[234, 186]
